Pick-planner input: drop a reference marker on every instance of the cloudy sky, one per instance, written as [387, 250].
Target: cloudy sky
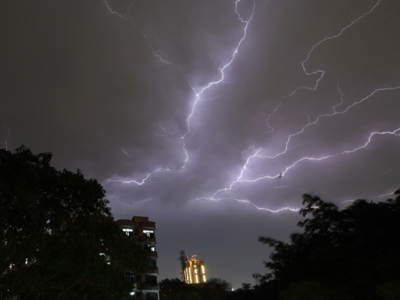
[212, 117]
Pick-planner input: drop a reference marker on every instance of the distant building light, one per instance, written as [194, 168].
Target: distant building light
[128, 231]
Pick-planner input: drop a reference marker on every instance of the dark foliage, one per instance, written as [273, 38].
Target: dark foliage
[175, 289]
[347, 254]
[53, 227]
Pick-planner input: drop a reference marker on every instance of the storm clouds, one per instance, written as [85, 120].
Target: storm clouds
[309, 103]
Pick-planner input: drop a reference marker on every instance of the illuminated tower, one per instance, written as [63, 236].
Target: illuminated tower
[193, 270]
[144, 285]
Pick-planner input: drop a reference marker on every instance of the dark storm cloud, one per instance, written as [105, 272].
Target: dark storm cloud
[86, 80]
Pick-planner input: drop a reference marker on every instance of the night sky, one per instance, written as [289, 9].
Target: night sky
[212, 117]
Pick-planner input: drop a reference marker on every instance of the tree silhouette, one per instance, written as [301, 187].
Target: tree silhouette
[53, 227]
[342, 254]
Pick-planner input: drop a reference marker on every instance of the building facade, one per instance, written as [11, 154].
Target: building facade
[143, 231]
[194, 271]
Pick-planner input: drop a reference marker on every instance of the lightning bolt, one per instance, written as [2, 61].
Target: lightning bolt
[167, 133]
[257, 150]
[199, 93]
[252, 203]
[328, 115]
[220, 80]
[145, 180]
[126, 153]
[113, 12]
[240, 179]
[320, 72]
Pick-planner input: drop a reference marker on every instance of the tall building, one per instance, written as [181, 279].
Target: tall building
[143, 231]
[193, 269]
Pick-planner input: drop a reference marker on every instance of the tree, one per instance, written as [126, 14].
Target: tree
[53, 227]
[347, 254]
[225, 285]
[174, 289]
[246, 286]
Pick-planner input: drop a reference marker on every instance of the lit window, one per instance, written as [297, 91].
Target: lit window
[128, 231]
[202, 268]
[204, 278]
[107, 257]
[197, 279]
[148, 233]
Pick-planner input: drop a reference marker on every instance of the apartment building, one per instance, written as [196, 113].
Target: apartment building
[143, 231]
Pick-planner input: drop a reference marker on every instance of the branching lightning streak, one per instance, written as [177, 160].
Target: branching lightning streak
[250, 202]
[221, 80]
[147, 179]
[329, 115]
[334, 108]
[321, 72]
[126, 153]
[335, 112]
[395, 132]
[140, 30]
[197, 93]
[167, 133]
[241, 179]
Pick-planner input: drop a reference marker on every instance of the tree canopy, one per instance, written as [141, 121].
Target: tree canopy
[176, 289]
[342, 254]
[58, 238]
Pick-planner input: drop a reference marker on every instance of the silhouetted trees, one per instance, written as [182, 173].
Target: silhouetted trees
[175, 289]
[342, 254]
[220, 283]
[53, 227]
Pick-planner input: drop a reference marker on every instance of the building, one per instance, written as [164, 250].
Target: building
[143, 231]
[193, 269]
